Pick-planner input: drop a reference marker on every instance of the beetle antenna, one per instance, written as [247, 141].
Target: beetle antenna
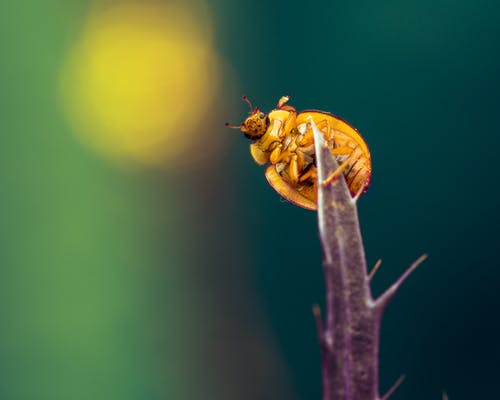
[247, 100]
[232, 126]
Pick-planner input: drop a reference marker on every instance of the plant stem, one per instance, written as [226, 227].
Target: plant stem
[349, 337]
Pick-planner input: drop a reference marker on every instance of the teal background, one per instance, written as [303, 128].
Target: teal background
[197, 283]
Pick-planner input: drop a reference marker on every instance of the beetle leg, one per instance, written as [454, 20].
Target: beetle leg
[334, 175]
[275, 156]
[324, 124]
[289, 124]
[279, 154]
[342, 151]
[309, 174]
[293, 170]
[348, 162]
[301, 162]
[282, 102]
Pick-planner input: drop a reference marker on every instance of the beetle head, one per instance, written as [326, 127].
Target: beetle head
[255, 125]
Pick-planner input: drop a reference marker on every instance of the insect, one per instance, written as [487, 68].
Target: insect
[284, 138]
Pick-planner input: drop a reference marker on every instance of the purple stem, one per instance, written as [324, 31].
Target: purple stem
[350, 336]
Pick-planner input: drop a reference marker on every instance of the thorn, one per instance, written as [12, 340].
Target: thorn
[385, 297]
[316, 310]
[319, 321]
[374, 269]
[359, 193]
[393, 387]
[445, 396]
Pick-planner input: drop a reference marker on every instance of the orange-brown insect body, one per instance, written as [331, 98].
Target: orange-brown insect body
[284, 139]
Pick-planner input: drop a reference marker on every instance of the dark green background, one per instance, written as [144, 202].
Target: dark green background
[197, 284]
[420, 80]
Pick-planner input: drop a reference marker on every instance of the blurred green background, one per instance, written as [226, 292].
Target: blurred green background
[143, 254]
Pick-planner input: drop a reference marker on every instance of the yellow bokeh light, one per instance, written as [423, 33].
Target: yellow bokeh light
[140, 80]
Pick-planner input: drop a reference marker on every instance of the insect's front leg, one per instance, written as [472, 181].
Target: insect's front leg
[290, 124]
[281, 104]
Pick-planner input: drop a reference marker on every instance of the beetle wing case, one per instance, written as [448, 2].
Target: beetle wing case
[290, 192]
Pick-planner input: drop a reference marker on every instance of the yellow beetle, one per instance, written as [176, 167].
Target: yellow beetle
[284, 138]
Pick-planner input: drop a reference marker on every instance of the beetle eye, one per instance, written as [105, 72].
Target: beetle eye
[261, 115]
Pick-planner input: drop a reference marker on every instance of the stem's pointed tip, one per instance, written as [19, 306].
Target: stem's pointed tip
[394, 387]
[385, 297]
[319, 139]
[324, 159]
[445, 396]
[421, 259]
[374, 269]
